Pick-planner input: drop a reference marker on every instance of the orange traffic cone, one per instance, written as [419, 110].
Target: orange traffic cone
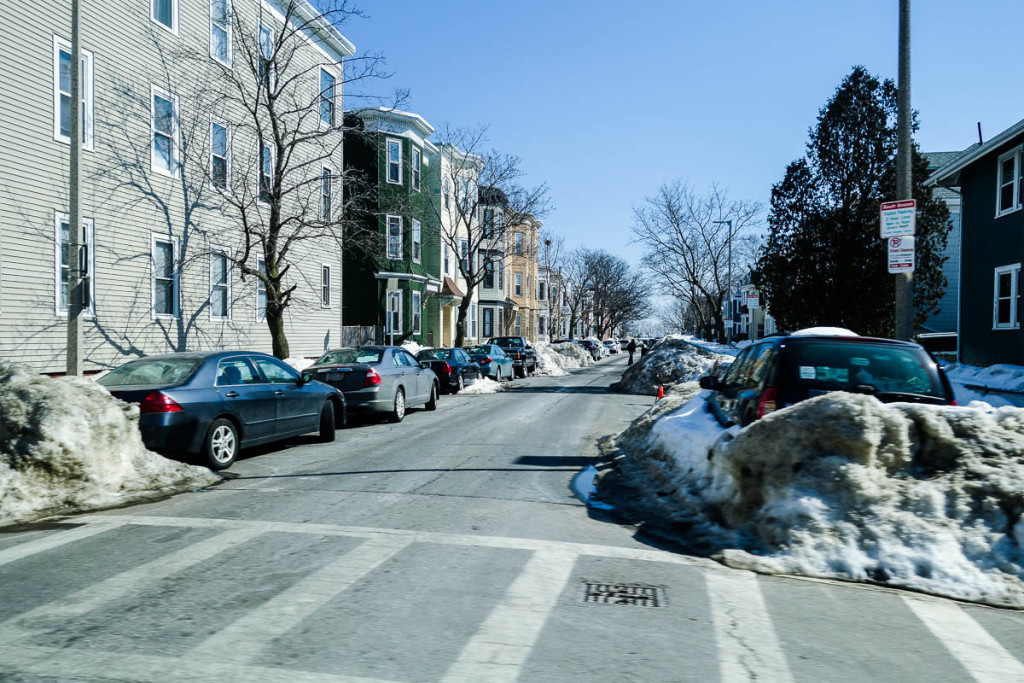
[661, 392]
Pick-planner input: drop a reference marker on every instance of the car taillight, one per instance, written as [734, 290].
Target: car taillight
[954, 403]
[155, 402]
[487, 359]
[767, 403]
[371, 378]
[448, 368]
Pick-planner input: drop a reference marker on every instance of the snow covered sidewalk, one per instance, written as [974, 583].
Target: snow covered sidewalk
[996, 385]
[841, 486]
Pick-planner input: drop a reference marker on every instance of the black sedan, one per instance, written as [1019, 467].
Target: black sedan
[215, 403]
[453, 367]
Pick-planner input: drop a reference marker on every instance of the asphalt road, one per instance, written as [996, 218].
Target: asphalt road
[447, 548]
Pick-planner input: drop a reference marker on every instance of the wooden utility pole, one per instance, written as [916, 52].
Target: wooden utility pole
[74, 256]
[904, 281]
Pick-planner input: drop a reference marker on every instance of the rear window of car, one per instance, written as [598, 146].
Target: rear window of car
[829, 366]
[514, 342]
[367, 356]
[167, 372]
[478, 350]
[433, 354]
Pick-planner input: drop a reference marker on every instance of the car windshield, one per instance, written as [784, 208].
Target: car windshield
[886, 369]
[367, 356]
[165, 372]
[513, 342]
[433, 354]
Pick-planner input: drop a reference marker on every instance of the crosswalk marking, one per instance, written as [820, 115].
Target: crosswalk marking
[58, 539]
[747, 646]
[981, 654]
[250, 634]
[122, 584]
[498, 650]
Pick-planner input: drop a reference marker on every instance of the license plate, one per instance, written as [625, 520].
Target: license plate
[334, 376]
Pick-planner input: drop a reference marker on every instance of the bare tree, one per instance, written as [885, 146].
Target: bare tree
[620, 292]
[688, 239]
[578, 285]
[551, 260]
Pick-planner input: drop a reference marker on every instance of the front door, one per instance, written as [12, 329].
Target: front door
[247, 396]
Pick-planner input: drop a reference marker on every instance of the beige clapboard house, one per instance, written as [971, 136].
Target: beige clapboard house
[158, 140]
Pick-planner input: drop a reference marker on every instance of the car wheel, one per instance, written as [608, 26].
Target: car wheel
[398, 414]
[432, 403]
[460, 384]
[327, 426]
[221, 445]
[520, 371]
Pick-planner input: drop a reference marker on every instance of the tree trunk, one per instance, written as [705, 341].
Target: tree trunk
[460, 322]
[279, 341]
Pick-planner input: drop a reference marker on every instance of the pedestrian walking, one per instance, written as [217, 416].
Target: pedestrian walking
[631, 349]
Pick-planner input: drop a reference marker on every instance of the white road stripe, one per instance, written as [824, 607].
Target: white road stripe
[250, 634]
[60, 663]
[58, 539]
[981, 654]
[52, 614]
[748, 648]
[498, 650]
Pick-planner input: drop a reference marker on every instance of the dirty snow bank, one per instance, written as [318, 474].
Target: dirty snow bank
[844, 486]
[67, 445]
[1007, 377]
[483, 385]
[556, 359]
[414, 348]
[672, 360]
[300, 363]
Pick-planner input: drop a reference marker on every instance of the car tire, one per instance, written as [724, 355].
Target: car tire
[432, 403]
[460, 384]
[327, 424]
[398, 412]
[220, 447]
[519, 372]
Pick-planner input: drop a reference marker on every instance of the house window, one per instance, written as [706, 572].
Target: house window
[472, 332]
[519, 244]
[165, 13]
[488, 266]
[488, 223]
[394, 237]
[464, 244]
[1006, 304]
[488, 330]
[165, 132]
[519, 324]
[519, 284]
[417, 311]
[466, 188]
[261, 291]
[542, 325]
[62, 94]
[165, 277]
[417, 244]
[325, 286]
[326, 193]
[266, 172]
[220, 286]
[86, 262]
[417, 162]
[326, 97]
[447, 259]
[266, 63]
[1011, 183]
[447, 194]
[394, 161]
[220, 32]
[501, 275]
[219, 156]
[541, 293]
[393, 322]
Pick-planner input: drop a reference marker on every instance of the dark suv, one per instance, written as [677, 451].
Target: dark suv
[779, 371]
[524, 358]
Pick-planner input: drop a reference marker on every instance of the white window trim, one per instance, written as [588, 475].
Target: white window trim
[417, 165]
[173, 28]
[463, 255]
[176, 303]
[90, 236]
[401, 236]
[230, 32]
[154, 92]
[1014, 271]
[1018, 203]
[320, 97]
[259, 171]
[472, 321]
[326, 215]
[216, 250]
[227, 151]
[417, 312]
[329, 281]
[387, 312]
[388, 161]
[87, 93]
[447, 260]
[260, 26]
[259, 283]
[416, 237]
[518, 285]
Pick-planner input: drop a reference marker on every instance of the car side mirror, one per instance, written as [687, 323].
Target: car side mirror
[425, 365]
[710, 382]
[306, 378]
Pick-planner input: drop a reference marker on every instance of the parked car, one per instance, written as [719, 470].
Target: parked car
[453, 367]
[612, 345]
[779, 371]
[378, 379]
[215, 403]
[593, 347]
[493, 362]
[524, 358]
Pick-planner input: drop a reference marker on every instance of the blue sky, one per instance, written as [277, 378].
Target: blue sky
[606, 100]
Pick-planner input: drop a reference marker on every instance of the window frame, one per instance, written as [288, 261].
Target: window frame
[417, 311]
[417, 241]
[388, 321]
[261, 265]
[329, 101]
[389, 161]
[326, 282]
[175, 277]
[175, 23]
[1013, 270]
[464, 256]
[224, 253]
[88, 135]
[447, 259]
[266, 60]
[401, 237]
[227, 31]
[217, 121]
[260, 199]
[518, 243]
[175, 171]
[89, 230]
[517, 286]
[416, 168]
[473, 321]
[326, 193]
[487, 322]
[1018, 182]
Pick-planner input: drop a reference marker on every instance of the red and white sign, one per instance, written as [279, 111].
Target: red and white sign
[901, 254]
[899, 218]
[753, 299]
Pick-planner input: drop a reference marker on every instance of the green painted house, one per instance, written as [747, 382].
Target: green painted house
[391, 276]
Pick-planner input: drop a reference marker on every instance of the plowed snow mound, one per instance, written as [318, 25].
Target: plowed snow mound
[66, 444]
[556, 359]
[671, 361]
[844, 486]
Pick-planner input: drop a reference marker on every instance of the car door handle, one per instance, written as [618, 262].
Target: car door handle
[231, 394]
[278, 393]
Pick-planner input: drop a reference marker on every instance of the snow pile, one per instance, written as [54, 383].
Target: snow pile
[482, 385]
[824, 332]
[300, 364]
[1007, 377]
[414, 348]
[67, 444]
[556, 359]
[673, 360]
[713, 347]
[844, 486]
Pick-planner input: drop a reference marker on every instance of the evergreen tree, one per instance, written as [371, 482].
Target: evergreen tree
[824, 262]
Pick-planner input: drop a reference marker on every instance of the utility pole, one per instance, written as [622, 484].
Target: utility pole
[728, 285]
[74, 256]
[904, 281]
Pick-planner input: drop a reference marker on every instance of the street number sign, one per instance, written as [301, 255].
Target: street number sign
[901, 254]
[899, 218]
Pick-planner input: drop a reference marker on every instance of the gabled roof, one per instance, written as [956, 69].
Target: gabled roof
[949, 175]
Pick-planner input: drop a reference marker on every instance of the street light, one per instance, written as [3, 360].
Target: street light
[728, 330]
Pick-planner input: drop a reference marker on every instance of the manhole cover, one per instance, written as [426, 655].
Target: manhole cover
[634, 594]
